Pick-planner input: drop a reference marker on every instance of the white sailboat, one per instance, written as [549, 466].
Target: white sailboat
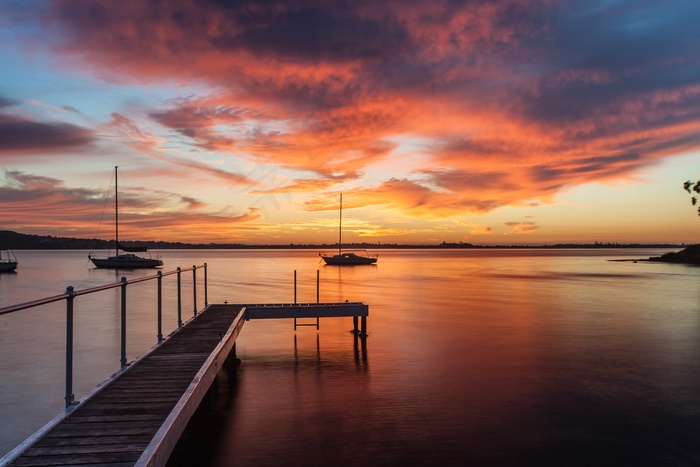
[126, 260]
[348, 258]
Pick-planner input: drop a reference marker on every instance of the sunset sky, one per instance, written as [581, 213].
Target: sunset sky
[481, 121]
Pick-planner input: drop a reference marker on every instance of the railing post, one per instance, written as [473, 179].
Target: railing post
[295, 286]
[194, 288]
[179, 298]
[318, 288]
[206, 299]
[160, 306]
[69, 345]
[123, 313]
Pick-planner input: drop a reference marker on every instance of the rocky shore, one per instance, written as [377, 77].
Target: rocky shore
[689, 255]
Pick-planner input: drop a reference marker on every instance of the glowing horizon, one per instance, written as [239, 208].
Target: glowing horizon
[488, 122]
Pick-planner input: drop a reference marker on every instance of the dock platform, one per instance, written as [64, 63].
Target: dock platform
[310, 310]
[137, 416]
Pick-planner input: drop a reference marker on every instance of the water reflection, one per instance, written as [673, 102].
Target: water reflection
[513, 357]
[304, 356]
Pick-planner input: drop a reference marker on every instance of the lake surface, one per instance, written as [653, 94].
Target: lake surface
[484, 357]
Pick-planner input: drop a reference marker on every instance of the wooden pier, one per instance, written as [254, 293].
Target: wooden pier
[137, 416]
[310, 310]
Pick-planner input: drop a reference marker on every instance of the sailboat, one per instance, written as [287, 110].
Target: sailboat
[347, 258]
[8, 261]
[126, 260]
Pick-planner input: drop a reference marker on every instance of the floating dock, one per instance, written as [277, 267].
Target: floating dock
[137, 416]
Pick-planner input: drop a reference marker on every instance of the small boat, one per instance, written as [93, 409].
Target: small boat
[347, 258]
[126, 260]
[8, 261]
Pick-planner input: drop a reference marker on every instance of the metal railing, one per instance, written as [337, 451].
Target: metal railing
[71, 293]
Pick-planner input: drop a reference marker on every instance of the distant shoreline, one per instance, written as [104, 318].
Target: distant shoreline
[11, 240]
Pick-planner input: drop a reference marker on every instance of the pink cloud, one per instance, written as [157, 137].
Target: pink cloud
[514, 99]
[146, 142]
[25, 199]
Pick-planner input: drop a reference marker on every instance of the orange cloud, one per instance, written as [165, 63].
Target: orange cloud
[25, 199]
[147, 143]
[297, 186]
[522, 227]
[512, 101]
[407, 197]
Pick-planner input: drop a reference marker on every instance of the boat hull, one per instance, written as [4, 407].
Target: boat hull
[8, 266]
[126, 262]
[348, 259]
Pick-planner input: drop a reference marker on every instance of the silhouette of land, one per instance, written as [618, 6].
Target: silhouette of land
[689, 255]
[11, 240]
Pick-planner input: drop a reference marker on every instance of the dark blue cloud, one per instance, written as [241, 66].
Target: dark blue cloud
[4, 102]
[18, 134]
[588, 169]
[313, 34]
[604, 53]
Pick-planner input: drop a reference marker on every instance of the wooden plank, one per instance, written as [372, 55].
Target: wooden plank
[106, 440]
[88, 449]
[98, 458]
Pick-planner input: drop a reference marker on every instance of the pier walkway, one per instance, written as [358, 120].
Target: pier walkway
[137, 416]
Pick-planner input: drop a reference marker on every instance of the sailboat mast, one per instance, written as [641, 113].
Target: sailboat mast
[116, 210]
[340, 227]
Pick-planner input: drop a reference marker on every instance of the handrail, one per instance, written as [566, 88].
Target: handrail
[55, 298]
[70, 295]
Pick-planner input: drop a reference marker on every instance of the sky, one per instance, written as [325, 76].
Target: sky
[481, 121]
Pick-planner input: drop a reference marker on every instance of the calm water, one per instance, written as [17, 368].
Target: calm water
[494, 357]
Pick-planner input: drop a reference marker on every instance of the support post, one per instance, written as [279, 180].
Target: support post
[206, 299]
[355, 329]
[123, 323]
[194, 288]
[69, 346]
[179, 298]
[363, 328]
[318, 296]
[295, 297]
[160, 306]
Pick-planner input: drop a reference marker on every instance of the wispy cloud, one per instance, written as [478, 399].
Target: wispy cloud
[146, 142]
[25, 199]
[521, 227]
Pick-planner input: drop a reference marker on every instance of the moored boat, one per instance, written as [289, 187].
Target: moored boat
[126, 260]
[347, 258]
[8, 261]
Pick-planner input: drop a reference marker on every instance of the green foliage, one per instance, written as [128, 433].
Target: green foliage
[693, 187]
